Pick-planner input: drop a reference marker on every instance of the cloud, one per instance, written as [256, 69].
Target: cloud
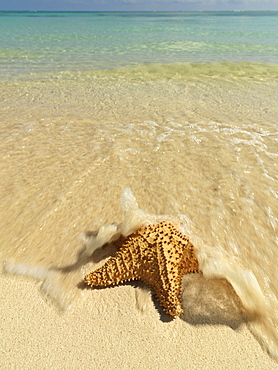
[223, 4]
[114, 5]
[169, 2]
[173, 2]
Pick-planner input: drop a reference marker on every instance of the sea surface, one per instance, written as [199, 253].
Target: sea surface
[129, 118]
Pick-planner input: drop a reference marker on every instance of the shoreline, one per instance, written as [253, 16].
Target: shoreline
[148, 93]
[178, 113]
[104, 330]
[70, 176]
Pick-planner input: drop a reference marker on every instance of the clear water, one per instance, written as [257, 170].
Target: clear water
[181, 108]
[47, 42]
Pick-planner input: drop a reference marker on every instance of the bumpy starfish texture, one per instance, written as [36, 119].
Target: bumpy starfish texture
[159, 255]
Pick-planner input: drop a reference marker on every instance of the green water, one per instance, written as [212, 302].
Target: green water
[179, 107]
[45, 42]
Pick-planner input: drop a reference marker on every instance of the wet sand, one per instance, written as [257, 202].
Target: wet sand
[104, 330]
[61, 178]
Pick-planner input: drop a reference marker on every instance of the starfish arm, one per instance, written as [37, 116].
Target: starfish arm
[169, 297]
[159, 255]
[124, 266]
[112, 272]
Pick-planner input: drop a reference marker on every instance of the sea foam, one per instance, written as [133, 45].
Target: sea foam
[215, 265]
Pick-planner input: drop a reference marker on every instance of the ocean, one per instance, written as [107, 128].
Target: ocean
[130, 118]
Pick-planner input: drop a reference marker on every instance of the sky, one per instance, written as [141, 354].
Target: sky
[137, 5]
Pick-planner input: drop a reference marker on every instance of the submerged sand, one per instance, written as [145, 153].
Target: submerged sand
[62, 175]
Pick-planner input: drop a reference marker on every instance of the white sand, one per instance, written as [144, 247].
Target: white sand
[105, 330]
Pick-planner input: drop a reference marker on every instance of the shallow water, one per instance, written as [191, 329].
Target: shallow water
[198, 140]
[42, 42]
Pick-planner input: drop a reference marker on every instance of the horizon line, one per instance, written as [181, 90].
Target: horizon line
[137, 11]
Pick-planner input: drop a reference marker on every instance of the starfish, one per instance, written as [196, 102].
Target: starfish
[159, 255]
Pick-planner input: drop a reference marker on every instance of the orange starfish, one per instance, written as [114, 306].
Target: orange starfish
[159, 255]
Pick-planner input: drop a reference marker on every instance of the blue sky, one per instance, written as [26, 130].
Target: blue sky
[132, 5]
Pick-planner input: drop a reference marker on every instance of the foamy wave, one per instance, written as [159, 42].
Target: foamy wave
[262, 313]
[51, 286]
[60, 283]
[243, 281]
[36, 272]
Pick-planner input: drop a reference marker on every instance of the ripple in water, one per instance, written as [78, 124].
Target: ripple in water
[218, 180]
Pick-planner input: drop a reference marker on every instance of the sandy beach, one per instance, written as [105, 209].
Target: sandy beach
[105, 330]
[182, 111]
[68, 186]
[72, 183]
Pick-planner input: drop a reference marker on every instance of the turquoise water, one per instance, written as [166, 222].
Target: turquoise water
[45, 42]
[179, 107]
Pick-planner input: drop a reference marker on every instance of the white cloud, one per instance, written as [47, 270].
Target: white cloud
[222, 2]
[139, 5]
[199, 4]
[189, 1]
